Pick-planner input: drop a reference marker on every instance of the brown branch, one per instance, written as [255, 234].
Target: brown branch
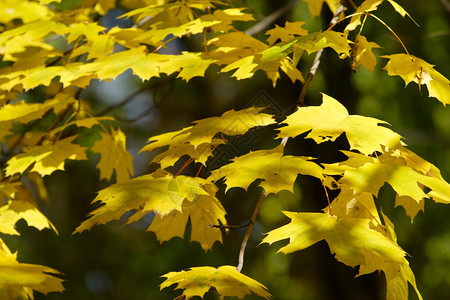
[316, 63]
[446, 4]
[249, 230]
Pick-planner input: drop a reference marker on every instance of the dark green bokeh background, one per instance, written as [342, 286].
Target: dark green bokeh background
[111, 262]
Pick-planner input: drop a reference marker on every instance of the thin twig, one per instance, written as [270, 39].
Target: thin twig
[229, 226]
[316, 63]
[124, 101]
[271, 18]
[249, 230]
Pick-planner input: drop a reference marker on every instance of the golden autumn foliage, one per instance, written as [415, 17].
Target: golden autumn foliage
[43, 46]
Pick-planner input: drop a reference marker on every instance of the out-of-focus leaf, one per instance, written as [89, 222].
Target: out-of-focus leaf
[46, 158]
[114, 156]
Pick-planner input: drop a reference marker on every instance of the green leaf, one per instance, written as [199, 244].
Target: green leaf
[277, 171]
[225, 279]
[329, 120]
[348, 238]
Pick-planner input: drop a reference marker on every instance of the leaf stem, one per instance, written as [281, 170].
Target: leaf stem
[390, 29]
[249, 230]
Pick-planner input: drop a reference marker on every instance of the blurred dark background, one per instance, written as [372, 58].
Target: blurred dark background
[111, 262]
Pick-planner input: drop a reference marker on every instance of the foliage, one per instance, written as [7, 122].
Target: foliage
[56, 53]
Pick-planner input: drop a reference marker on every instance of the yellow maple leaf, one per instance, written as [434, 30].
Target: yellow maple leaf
[23, 112]
[187, 63]
[47, 158]
[371, 176]
[348, 238]
[114, 156]
[225, 279]
[329, 120]
[277, 171]
[365, 7]
[411, 68]
[226, 17]
[362, 54]
[354, 205]
[23, 206]
[231, 123]
[160, 192]
[289, 31]
[24, 10]
[203, 212]
[333, 39]
[397, 274]
[109, 67]
[18, 280]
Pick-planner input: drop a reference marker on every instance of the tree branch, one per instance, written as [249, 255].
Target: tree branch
[316, 63]
[271, 18]
[249, 230]
[446, 4]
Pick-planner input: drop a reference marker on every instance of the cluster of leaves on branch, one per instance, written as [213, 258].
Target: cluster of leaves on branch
[56, 53]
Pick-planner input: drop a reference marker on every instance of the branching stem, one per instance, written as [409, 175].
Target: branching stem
[249, 230]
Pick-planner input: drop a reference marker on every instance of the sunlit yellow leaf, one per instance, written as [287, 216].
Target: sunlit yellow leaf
[203, 212]
[114, 156]
[348, 238]
[225, 279]
[329, 120]
[333, 39]
[365, 7]
[350, 204]
[42, 76]
[160, 192]
[25, 112]
[370, 177]
[143, 65]
[277, 171]
[47, 158]
[23, 206]
[397, 275]
[226, 17]
[19, 279]
[289, 31]
[411, 68]
[203, 131]
[24, 10]
[188, 64]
